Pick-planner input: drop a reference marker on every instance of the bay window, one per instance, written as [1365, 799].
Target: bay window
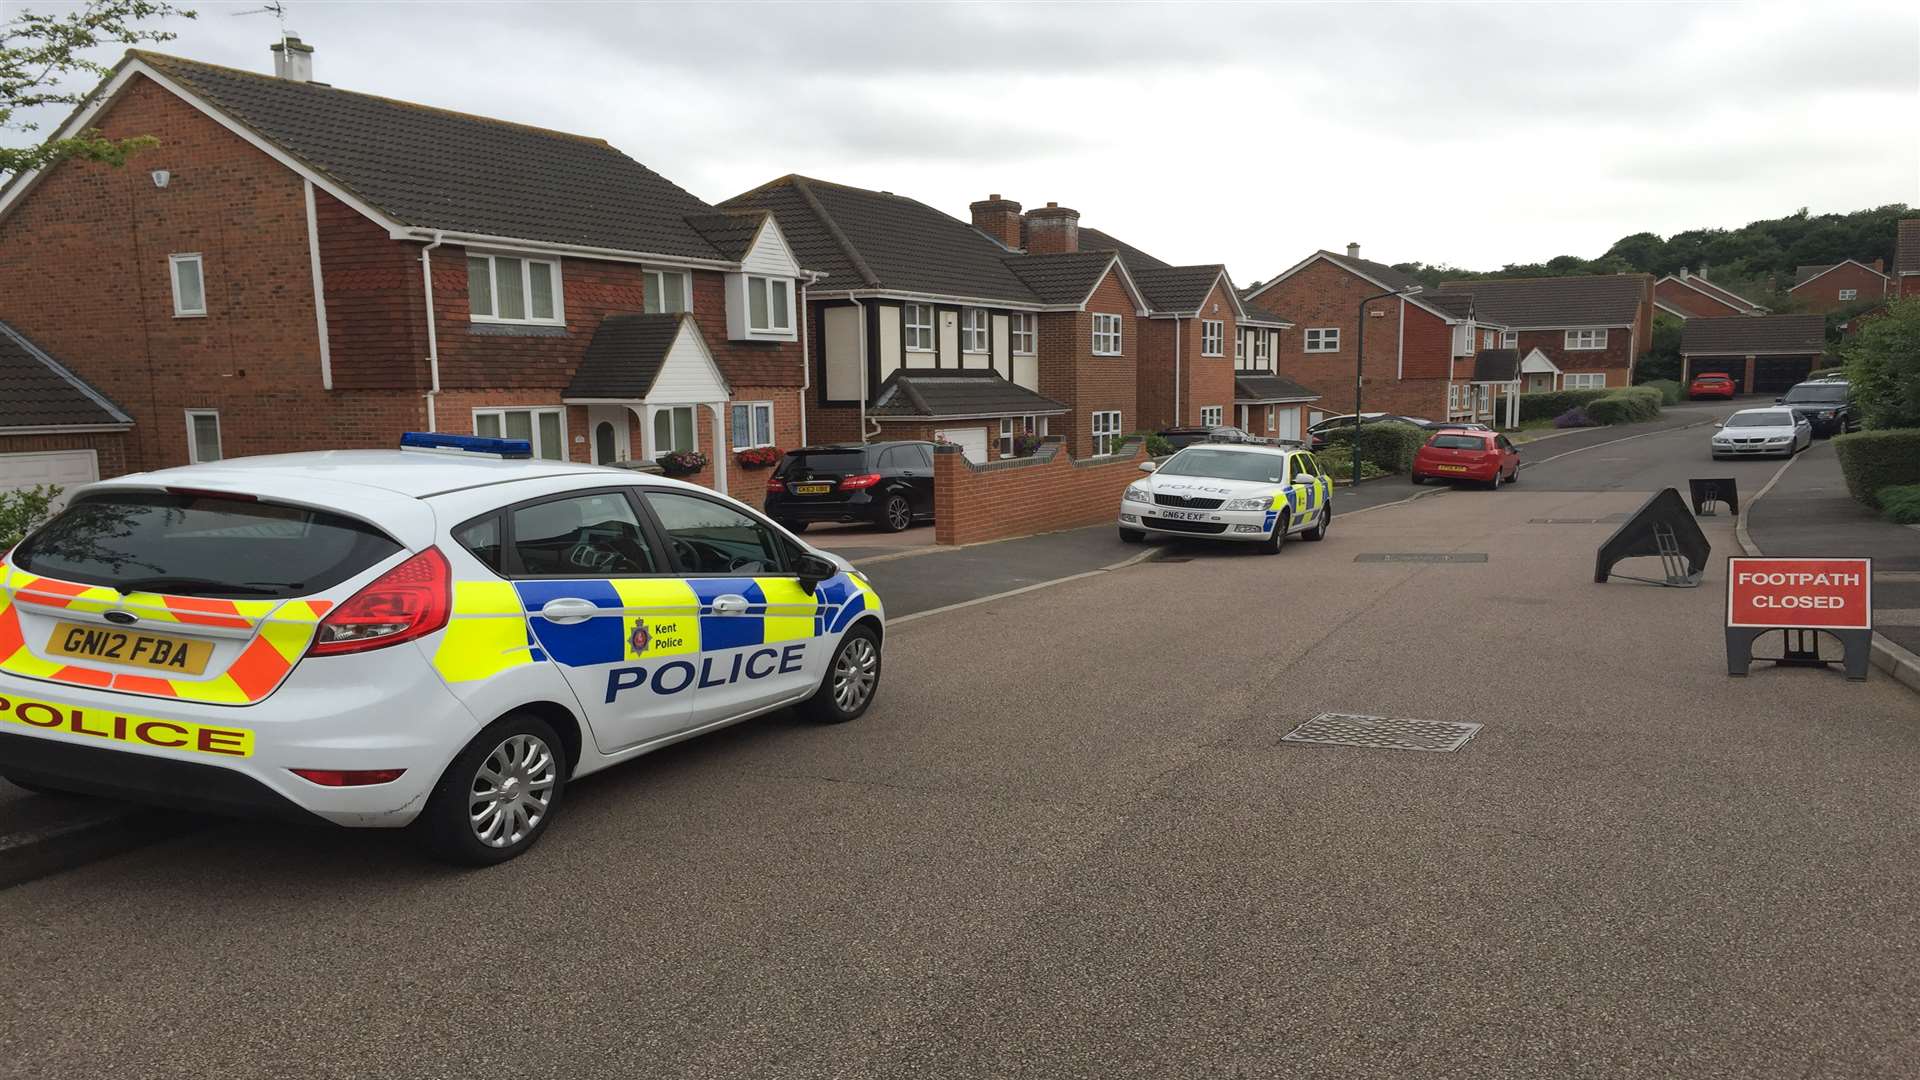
[769, 305]
[673, 429]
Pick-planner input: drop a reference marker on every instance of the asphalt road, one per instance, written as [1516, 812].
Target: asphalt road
[1068, 842]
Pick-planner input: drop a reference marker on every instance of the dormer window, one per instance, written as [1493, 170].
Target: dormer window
[769, 305]
[510, 289]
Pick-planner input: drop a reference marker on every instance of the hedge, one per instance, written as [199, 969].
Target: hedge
[1902, 503]
[1669, 390]
[1872, 460]
[1548, 404]
[1625, 406]
[1391, 445]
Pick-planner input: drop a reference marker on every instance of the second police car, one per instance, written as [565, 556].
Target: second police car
[440, 637]
[1256, 494]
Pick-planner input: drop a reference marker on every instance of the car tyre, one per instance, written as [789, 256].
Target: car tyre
[1131, 536]
[1497, 481]
[1417, 479]
[1272, 544]
[851, 682]
[896, 514]
[506, 769]
[794, 527]
[1319, 531]
[1515, 478]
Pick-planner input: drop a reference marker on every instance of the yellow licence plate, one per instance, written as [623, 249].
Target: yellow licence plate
[1451, 468]
[130, 647]
[812, 489]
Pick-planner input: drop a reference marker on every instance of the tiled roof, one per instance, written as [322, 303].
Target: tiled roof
[38, 391]
[1906, 254]
[1595, 300]
[1176, 288]
[1270, 388]
[436, 169]
[1459, 304]
[1496, 365]
[1803, 274]
[730, 234]
[1136, 260]
[1743, 334]
[918, 393]
[1065, 278]
[1260, 316]
[1381, 272]
[877, 240]
[1716, 292]
[625, 356]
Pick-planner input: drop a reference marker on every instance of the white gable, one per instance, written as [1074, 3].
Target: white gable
[1536, 363]
[770, 254]
[688, 376]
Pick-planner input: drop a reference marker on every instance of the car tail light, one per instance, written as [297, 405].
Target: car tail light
[774, 483]
[860, 482]
[409, 601]
[348, 777]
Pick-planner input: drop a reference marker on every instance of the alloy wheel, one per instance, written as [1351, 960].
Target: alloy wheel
[899, 514]
[512, 790]
[854, 673]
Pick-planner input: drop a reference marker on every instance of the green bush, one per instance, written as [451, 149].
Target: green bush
[1669, 390]
[1883, 366]
[1156, 446]
[1338, 463]
[21, 511]
[1547, 404]
[1901, 503]
[1626, 406]
[1391, 445]
[1875, 460]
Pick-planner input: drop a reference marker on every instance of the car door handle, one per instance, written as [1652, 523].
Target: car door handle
[730, 604]
[566, 610]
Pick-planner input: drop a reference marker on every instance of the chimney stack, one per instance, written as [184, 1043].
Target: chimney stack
[1353, 251]
[293, 59]
[1052, 230]
[998, 218]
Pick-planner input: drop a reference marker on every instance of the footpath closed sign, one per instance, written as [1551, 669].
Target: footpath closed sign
[1805, 598]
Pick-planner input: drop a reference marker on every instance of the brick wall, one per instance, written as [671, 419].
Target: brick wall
[1153, 393]
[1822, 294]
[1692, 301]
[1615, 361]
[1323, 295]
[1085, 383]
[1043, 493]
[1208, 380]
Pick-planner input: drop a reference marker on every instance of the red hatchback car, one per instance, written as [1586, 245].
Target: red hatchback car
[1710, 385]
[1483, 456]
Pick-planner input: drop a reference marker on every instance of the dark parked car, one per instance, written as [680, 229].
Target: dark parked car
[887, 483]
[1182, 437]
[1827, 404]
[1317, 434]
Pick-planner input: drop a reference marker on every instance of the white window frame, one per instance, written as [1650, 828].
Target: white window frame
[1213, 337]
[1021, 325]
[199, 264]
[1106, 430]
[1588, 380]
[1011, 426]
[1321, 339]
[1263, 351]
[1273, 419]
[654, 450]
[1213, 415]
[559, 317]
[1106, 329]
[910, 330]
[499, 413]
[1240, 348]
[654, 286]
[219, 446]
[1586, 341]
[1509, 339]
[754, 408]
[785, 285]
[975, 331]
[1487, 338]
[1845, 294]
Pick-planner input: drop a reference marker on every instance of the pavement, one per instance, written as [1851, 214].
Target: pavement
[1068, 841]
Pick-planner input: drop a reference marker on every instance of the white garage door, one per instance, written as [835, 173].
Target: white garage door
[64, 468]
[972, 442]
[1289, 423]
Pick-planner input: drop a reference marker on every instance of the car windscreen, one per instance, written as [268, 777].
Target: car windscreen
[1226, 465]
[1458, 442]
[837, 462]
[201, 545]
[1759, 419]
[1816, 395]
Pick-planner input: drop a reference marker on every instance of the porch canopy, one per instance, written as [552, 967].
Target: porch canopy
[1537, 363]
[657, 367]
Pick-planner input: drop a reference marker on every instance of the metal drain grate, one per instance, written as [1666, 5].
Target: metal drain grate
[1422, 556]
[1383, 732]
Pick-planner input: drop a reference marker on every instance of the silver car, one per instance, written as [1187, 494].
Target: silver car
[1754, 432]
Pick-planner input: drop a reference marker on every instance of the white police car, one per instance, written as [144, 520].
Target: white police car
[440, 636]
[1222, 491]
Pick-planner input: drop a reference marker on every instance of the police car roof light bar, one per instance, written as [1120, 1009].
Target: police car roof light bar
[472, 444]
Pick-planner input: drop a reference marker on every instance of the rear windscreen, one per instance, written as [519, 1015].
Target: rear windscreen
[1458, 442]
[201, 545]
[1816, 395]
[823, 461]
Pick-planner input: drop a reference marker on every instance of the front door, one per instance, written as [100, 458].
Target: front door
[607, 425]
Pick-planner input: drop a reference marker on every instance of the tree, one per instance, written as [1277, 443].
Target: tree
[1662, 358]
[1883, 367]
[37, 54]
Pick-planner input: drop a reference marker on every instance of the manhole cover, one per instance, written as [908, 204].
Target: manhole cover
[1383, 732]
[1422, 556]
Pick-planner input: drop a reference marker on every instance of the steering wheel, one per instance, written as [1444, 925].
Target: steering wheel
[743, 563]
[686, 554]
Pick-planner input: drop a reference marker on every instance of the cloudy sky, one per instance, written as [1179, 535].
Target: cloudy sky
[1467, 134]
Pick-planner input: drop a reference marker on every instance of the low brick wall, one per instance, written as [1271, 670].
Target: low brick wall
[1019, 496]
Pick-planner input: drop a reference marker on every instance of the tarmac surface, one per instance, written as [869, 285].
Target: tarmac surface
[1068, 841]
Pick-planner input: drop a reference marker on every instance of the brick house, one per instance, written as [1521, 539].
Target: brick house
[54, 428]
[1906, 258]
[1687, 295]
[910, 289]
[1419, 353]
[296, 266]
[1829, 287]
[1571, 332]
[1763, 354]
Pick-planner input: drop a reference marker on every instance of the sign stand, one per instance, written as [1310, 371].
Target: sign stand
[1712, 490]
[1801, 598]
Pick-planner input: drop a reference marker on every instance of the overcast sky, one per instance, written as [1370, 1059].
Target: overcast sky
[1466, 134]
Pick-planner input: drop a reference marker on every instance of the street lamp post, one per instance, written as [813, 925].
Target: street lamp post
[1360, 363]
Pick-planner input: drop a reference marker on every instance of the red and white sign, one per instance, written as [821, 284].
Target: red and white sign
[1793, 594]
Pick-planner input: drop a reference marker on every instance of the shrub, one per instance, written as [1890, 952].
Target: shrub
[1337, 461]
[1546, 403]
[1883, 366]
[1625, 406]
[1390, 444]
[1901, 503]
[1874, 460]
[1156, 446]
[1574, 417]
[1669, 390]
[22, 511]
[1026, 442]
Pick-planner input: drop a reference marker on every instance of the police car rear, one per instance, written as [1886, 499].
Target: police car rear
[440, 638]
[1256, 494]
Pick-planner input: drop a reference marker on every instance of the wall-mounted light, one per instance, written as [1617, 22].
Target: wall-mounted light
[161, 178]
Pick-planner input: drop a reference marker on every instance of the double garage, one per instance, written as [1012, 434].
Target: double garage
[1762, 354]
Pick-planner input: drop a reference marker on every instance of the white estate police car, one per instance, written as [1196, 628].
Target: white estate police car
[442, 635]
[1231, 492]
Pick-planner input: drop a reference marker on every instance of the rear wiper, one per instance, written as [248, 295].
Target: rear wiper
[250, 588]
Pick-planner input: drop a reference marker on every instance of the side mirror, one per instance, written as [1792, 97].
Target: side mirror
[1779, 401]
[813, 569]
[1149, 466]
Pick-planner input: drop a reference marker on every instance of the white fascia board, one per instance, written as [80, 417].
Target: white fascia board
[523, 246]
[921, 418]
[937, 298]
[1140, 305]
[1577, 326]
